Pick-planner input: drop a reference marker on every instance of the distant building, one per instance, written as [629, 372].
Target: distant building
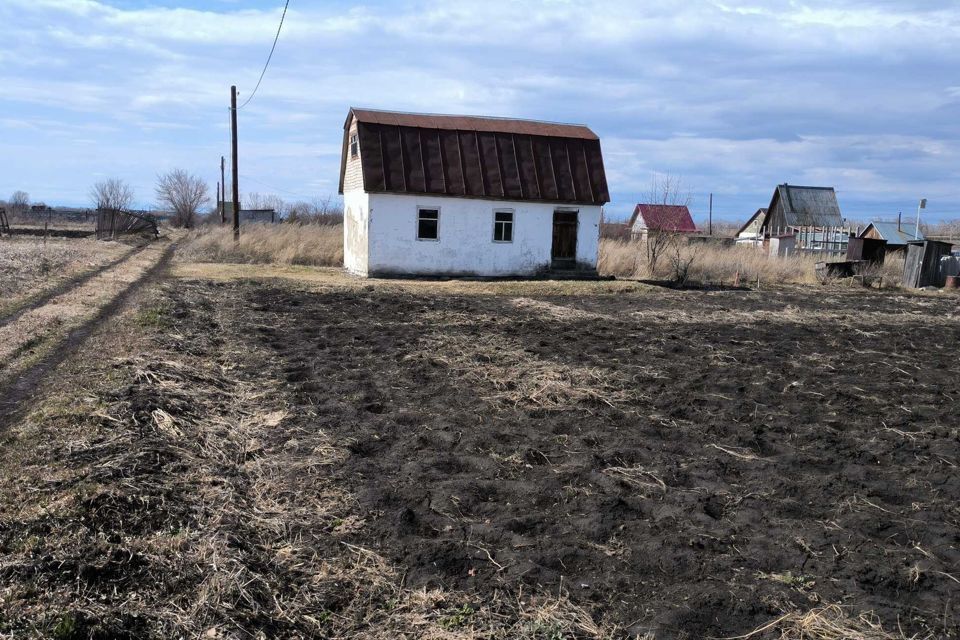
[752, 230]
[651, 219]
[894, 233]
[801, 208]
[251, 216]
[465, 195]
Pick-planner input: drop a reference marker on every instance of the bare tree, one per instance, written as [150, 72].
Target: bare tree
[665, 190]
[112, 193]
[19, 202]
[184, 193]
[260, 201]
[318, 211]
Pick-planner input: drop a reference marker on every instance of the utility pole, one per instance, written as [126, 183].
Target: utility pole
[236, 174]
[220, 199]
[223, 182]
[710, 223]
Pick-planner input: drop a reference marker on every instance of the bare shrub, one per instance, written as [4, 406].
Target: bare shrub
[315, 245]
[184, 194]
[112, 193]
[326, 210]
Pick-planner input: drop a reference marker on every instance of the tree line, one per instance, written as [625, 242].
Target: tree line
[187, 197]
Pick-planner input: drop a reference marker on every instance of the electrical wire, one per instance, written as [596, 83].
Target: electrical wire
[269, 58]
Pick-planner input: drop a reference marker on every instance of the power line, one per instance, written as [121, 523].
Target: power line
[269, 58]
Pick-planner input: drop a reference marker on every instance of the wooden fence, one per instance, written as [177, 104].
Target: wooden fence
[114, 222]
[828, 241]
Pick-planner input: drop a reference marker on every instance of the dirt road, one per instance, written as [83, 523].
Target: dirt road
[37, 336]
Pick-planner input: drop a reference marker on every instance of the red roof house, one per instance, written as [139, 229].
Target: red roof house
[657, 218]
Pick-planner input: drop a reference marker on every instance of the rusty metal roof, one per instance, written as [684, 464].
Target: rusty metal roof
[470, 156]
[664, 217]
[474, 123]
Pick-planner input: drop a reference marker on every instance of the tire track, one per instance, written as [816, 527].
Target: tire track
[66, 286]
[15, 394]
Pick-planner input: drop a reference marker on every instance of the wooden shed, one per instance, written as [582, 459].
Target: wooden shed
[922, 265]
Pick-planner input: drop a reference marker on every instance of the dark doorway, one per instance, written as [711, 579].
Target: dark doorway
[564, 253]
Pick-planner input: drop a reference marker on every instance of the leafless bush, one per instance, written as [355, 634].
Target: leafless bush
[184, 194]
[324, 211]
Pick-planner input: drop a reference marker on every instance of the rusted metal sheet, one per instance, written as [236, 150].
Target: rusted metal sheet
[480, 157]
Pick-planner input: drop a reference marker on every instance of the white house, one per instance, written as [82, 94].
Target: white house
[458, 195]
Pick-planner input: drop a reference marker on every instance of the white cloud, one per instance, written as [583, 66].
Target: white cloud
[735, 95]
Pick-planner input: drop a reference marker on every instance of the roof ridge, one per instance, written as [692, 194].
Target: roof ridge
[465, 115]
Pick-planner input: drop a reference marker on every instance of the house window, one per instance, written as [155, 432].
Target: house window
[354, 145]
[428, 224]
[503, 226]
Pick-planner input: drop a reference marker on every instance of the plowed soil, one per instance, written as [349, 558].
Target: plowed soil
[683, 463]
[676, 464]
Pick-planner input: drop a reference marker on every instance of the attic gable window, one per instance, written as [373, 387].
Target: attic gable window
[503, 226]
[354, 145]
[428, 224]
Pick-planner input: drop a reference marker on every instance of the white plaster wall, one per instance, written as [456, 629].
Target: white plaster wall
[465, 245]
[356, 213]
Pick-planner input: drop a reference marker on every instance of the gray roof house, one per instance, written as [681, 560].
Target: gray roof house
[896, 235]
[802, 207]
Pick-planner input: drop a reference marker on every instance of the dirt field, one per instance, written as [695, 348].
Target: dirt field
[335, 458]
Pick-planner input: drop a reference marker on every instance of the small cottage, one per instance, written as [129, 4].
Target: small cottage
[752, 230]
[801, 208]
[648, 220]
[465, 195]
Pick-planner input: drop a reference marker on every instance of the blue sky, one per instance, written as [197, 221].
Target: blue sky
[733, 96]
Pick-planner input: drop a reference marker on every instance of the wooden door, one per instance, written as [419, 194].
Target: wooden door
[564, 252]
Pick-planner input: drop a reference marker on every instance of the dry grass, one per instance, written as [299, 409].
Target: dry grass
[28, 262]
[292, 244]
[322, 246]
[715, 264]
[831, 622]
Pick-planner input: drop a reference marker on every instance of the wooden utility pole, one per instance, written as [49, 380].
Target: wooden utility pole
[710, 219]
[236, 175]
[223, 182]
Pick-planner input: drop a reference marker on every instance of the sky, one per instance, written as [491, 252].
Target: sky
[732, 97]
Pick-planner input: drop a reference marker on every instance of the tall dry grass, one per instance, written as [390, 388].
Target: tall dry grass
[309, 244]
[322, 245]
[713, 264]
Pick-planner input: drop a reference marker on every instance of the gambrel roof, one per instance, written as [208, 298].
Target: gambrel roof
[477, 157]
